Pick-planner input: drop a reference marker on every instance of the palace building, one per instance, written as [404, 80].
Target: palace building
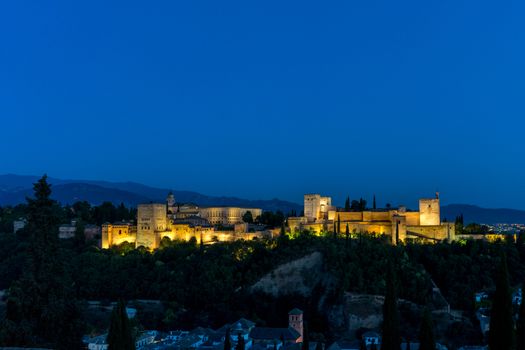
[400, 224]
[156, 221]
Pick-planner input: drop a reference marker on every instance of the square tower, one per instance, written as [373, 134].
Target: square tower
[151, 220]
[316, 207]
[429, 212]
[295, 321]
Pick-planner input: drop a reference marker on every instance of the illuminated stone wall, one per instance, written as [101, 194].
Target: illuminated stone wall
[227, 215]
[429, 212]
[445, 231]
[118, 234]
[425, 223]
[208, 235]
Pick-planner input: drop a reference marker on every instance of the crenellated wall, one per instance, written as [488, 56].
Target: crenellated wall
[114, 234]
[399, 223]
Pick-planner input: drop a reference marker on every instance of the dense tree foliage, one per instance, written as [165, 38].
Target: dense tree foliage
[270, 218]
[41, 307]
[391, 338]
[426, 332]
[248, 217]
[501, 334]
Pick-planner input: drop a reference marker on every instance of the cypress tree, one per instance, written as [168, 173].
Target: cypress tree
[240, 342]
[520, 324]
[520, 244]
[282, 235]
[338, 223]
[426, 332]
[227, 341]
[347, 235]
[374, 202]
[306, 340]
[335, 229]
[80, 237]
[347, 204]
[120, 335]
[501, 334]
[390, 328]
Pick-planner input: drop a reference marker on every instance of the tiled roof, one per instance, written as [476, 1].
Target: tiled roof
[295, 311]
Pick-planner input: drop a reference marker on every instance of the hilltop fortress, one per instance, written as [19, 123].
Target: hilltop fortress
[400, 224]
[156, 221]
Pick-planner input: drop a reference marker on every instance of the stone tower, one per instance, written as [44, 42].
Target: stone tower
[429, 212]
[295, 321]
[151, 220]
[170, 202]
[316, 207]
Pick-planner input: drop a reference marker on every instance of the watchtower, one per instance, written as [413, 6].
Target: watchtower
[295, 321]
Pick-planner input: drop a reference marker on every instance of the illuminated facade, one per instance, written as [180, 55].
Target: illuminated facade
[399, 223]
[156, 221]
[227, 215]
[316, 207]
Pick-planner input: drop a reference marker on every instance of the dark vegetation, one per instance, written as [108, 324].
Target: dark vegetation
[209, 285]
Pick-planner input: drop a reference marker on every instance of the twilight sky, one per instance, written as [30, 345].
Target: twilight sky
[270, 98]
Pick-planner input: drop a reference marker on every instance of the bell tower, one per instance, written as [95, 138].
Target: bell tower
[295, 321]
[170, 202]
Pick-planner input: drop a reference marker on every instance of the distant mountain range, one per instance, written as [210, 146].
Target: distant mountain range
[15, 188]
[472, 213]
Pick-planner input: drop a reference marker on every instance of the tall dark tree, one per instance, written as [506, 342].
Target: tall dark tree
[338, 223]
[520, 244]
[227, 340]
[306, 337]
[283, 237]
[80, 236]
[362, 204]
[520, 324]
[501, 334]
[41, 308]
[426, 332]
[248, 217]
[120, 335]
[347, 204]
[335, 229]
[374, 203]
[391, 339]
[347, 235]
[240, 342]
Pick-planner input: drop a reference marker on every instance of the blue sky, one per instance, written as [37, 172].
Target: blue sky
[270, 99]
